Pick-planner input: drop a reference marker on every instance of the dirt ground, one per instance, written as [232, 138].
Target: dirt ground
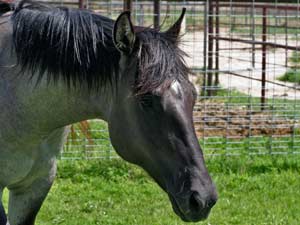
[217, 120]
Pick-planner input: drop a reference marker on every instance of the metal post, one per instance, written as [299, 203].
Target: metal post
[286, 39]
[253, 33]
[141, 15]
[156, 14]
[127, 6]
[81, 4]
[264, 59]
[217, 81]
[210, 47]
[205, 25]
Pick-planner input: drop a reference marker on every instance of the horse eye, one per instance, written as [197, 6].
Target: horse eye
[149, 101]
[145, 101]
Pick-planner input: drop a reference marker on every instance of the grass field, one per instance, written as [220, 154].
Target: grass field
[293, 74]
[259, 191]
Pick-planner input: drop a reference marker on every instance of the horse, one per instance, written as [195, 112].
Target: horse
[59, 66]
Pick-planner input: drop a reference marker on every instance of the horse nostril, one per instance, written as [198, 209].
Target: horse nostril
[196, 203]
[211, 202]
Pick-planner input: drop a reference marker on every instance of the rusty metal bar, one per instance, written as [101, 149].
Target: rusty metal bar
[270, 44]
[245, 60]
[262, 6]
[210, 47]
[264, 60]
[81, 4]
[273, 26]
[217, 31]
[156, 18]
[245, 48]
[127, 6]
[267, 81]
[286, 38]
[205, 31]
[253, 29]
[260, 1]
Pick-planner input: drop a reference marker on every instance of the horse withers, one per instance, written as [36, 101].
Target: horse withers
[59, 66]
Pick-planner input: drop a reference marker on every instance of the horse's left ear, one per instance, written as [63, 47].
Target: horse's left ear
[123, 33]
[174, 30]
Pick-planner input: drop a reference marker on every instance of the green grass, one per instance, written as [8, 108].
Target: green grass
[246, 29]
[293, 75]
[79, 146]
[255, 145]
[258, 191]
[295, 58]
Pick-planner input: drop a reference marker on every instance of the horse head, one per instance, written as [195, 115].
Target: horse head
[151, 122]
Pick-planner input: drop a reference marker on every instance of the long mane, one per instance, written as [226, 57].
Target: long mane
[77, 46]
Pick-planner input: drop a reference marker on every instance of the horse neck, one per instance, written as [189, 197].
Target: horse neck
[43, 107]
[55, 105]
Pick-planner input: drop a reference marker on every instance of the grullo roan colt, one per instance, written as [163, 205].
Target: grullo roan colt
[59, 66]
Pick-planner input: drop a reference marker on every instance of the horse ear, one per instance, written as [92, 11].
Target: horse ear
[174, 30]
[123, 33]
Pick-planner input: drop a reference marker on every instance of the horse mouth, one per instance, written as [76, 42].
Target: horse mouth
[177, 210]
[187, 216]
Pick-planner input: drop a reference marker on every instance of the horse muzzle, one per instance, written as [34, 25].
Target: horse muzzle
[192, 207]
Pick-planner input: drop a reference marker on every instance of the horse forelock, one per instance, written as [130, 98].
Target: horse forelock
[161, 61]
[77, 47]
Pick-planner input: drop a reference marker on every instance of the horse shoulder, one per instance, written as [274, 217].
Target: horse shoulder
[38, 160]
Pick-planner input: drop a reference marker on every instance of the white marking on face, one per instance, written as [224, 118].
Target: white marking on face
[176, 87]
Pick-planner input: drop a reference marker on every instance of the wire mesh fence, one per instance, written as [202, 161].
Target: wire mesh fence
[248, 104]
[246, 59]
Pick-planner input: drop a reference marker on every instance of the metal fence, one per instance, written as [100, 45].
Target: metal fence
[246, 106]
[244, 56]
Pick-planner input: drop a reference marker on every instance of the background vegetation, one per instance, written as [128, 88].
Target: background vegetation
[293, 74]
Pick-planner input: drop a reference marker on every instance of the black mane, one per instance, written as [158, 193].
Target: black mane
[77, 46]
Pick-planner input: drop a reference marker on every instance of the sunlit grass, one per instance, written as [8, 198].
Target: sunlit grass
[252, 190]
[293, 75]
